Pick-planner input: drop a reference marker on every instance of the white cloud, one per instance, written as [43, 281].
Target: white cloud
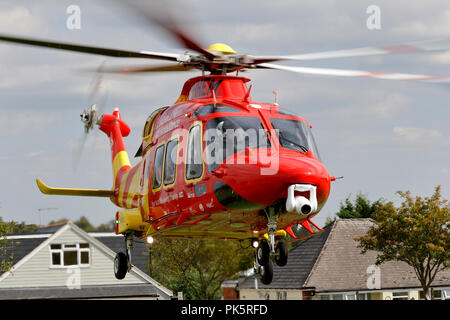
[423, 26]
[420, 136]
[32, 154]
[26, 122]
[15, 76]
[88, 142]
[439, 58]
[20, 20]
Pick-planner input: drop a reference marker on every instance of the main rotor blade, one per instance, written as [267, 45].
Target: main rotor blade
[413, 47]
[92, 50]
[357, 73]
[143, 69]
[163, 15]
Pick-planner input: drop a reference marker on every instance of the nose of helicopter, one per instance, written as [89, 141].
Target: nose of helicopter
[265, 183]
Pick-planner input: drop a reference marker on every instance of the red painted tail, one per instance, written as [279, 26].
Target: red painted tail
[115, 129]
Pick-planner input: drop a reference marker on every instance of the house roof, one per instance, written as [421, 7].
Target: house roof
[24, 246]
[85, 292]
[342, 267]
[300, 263]
[332, 262]
[139, 256]
[20, 245]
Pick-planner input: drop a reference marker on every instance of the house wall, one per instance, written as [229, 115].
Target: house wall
[36, 272]
[382, 295]
[252, 294]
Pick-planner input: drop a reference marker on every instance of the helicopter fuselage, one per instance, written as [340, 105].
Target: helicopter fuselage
[214, 164]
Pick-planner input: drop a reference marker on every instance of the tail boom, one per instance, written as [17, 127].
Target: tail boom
[115, 129]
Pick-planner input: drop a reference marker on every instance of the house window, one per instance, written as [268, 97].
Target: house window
[446, 294]
[350, 296]
[346, 296]
[403, 295]
[281, 295]
[363, 296]
[69, 255]
[437, 295]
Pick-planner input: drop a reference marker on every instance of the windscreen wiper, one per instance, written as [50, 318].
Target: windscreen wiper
[304, 149]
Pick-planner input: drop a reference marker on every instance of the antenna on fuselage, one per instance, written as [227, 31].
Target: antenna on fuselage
[214, 94]
[248, 93]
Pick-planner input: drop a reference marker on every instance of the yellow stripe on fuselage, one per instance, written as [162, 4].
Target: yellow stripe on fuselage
[133, 188]
[120, 160]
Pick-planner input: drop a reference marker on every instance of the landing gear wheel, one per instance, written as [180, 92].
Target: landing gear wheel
[263, 252]
[266, 272]
[281, 254]
[120, 265]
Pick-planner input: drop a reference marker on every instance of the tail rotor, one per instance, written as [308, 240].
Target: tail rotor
[91, 116]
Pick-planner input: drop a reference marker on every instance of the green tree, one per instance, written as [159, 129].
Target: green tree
[416, 233]
[108, 226]
[62, 220]
[198, 267]
[330, 220]
[361, 208]
[83, 223]
[24, 228]
[5, 259]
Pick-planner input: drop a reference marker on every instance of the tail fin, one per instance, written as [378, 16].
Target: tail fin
[115, 129]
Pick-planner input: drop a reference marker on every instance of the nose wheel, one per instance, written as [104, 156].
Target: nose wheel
[266, 272]
[269, 250]
[263, 252]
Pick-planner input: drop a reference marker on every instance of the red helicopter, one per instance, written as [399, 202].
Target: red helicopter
[217, 164]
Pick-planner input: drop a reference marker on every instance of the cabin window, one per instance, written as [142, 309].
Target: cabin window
[194, 161]
[70, 255]
[158, 167]
[170, 164]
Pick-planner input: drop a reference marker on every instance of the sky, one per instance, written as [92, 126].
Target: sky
[381, 135]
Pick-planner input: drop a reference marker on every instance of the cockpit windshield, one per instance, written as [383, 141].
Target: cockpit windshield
[226, 136]
[296, 135]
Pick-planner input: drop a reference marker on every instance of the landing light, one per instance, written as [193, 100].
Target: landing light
[255, 243]
[150, 240]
